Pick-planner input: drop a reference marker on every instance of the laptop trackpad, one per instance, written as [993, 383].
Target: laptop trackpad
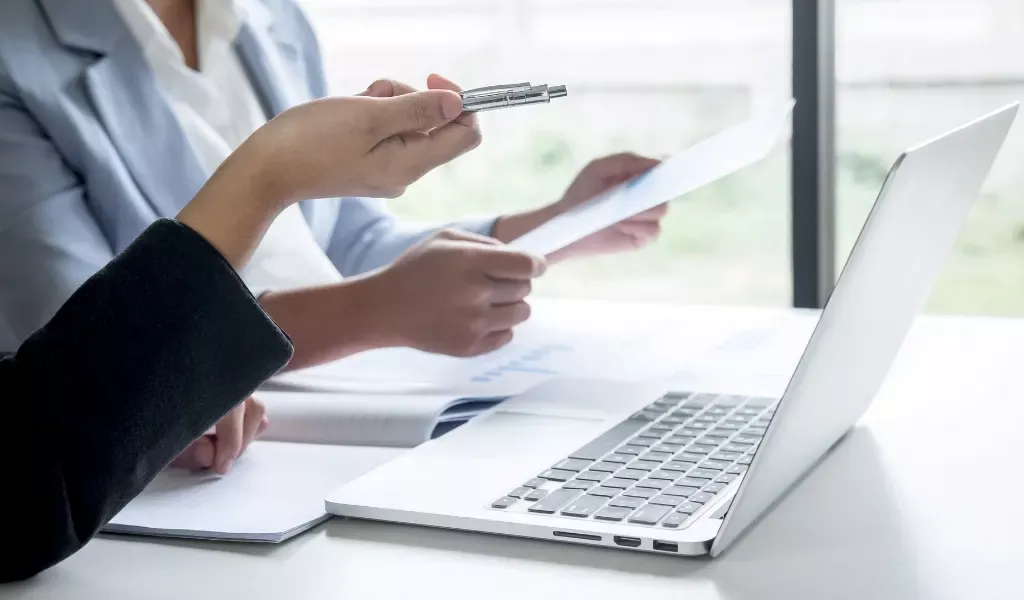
[584, 399]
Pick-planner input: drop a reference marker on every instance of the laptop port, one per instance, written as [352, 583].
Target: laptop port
[578, 536]
[666, 546]
[629, 542]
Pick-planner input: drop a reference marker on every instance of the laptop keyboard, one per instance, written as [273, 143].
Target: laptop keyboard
[659, 467]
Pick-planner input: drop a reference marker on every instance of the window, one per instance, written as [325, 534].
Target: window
[908, 70]
[646, 75]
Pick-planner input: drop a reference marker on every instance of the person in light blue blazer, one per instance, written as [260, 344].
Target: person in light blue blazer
[92, 152]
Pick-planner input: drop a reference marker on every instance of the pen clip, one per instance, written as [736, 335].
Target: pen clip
[491, 89]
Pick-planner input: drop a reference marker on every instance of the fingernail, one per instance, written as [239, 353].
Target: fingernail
[226, 467]
[451, 105]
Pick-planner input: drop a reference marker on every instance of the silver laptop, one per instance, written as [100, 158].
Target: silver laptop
[636, 467]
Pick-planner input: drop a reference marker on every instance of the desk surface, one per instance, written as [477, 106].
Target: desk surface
[921, 500]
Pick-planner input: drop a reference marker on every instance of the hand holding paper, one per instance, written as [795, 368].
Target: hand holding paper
[691, 169]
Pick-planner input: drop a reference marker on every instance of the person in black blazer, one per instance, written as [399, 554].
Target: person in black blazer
[158, 345]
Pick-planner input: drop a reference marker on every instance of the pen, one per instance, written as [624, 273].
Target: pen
[505, 96]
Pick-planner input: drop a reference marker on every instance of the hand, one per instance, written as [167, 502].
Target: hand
[597, 177]
[454, 293]
[374, 144]
[233, 434]
[350, 146]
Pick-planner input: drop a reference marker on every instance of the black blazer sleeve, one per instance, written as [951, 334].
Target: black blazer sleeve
[140, 361]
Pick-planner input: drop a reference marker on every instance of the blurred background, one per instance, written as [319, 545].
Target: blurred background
[654, 76]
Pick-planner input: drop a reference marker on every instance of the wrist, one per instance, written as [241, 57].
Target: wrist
[371, 312]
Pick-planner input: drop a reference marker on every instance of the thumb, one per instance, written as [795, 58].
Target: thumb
[418, 111]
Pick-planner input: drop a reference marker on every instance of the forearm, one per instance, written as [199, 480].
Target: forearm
[331, 322]
[142, 359]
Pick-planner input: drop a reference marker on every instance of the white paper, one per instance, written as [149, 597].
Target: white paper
[708, 161]
[394, 420]
[274, 491]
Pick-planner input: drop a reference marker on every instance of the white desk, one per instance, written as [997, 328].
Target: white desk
[921, 501]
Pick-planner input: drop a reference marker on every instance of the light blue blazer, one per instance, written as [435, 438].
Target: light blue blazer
[90, 152]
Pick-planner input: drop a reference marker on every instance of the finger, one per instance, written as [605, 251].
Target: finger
[386, 88]
[507, 316]
[624, 165]
[254, 413]
[264, 425]
[640, 233]
[229, 439]
[422, 152]
[459, 235]
[414, 112]
[493, 341]
[503, 263]
[198, 456]
[509, 292]
[437, 82]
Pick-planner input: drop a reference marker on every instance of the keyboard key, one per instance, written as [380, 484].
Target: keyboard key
[735, 448]
[728, 477]
[643, 465]
[715, 465]
[648, 435]
[675, 465]
[729, 401]
[755, 431]
[718, 432]
[736, 469]
[695, 429]
[698, 449]
[627, 502]
[663, 429]
[554, 501]
[713, 488]
[645, 415]
[584, 507]
[536, 482]
[760, 402]
[535, 495]
[656, 456]
[634, 474]
[701, 497]
[619, 458]
[606, 467]
[670, 448]
[674, 520]
[503, 502]
[557, 475]
[638, 492]
[702, 474]
[685, 413]
[618, 483]
[613, 513]
[665, 500]
[654, 484]
[593, 476]
[680, 440]
[577, 484]
[633, 450]
[688, 508]
[740, 420]
[573, 464]
[609, 440]
[666, 475]
[762, 422]
[734, 427]
[604, 492]
[726, 456]
[706, 419]
[678, 490]
[642, 442]
[746, 460]
[670, 420]
[746, 439]
[700, 400]
[519, 492]
[690, 457]
[649, 515]
[694, 483]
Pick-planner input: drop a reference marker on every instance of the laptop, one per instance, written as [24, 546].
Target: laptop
[636, 467]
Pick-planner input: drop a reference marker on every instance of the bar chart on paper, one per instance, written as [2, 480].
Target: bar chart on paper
[536, 361]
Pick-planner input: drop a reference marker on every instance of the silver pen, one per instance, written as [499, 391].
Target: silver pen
[504, 96]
